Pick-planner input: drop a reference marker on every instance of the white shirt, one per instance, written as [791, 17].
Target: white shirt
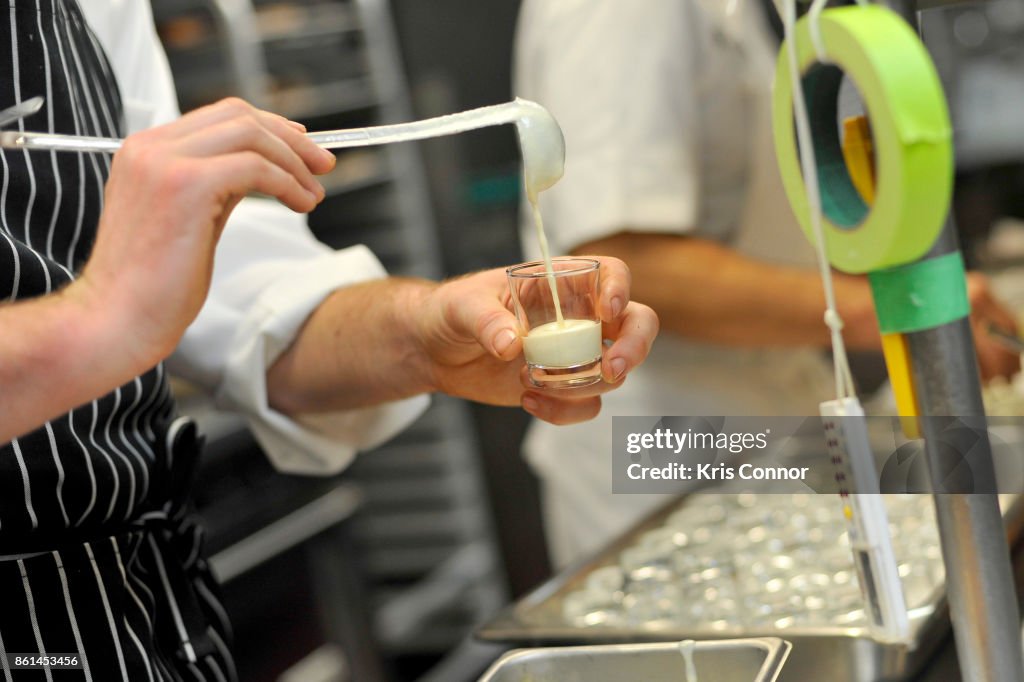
[269, 274]
[664, 105]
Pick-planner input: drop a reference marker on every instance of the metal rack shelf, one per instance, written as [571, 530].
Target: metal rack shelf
[309, 100]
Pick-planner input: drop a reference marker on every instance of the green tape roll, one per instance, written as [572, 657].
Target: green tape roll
[911, 132]
[922, 295]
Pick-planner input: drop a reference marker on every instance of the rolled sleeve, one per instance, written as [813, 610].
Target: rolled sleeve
[271, 274]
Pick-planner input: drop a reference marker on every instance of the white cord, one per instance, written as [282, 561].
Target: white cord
[841, 363]
[814, 24]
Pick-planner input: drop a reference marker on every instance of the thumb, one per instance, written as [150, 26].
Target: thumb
[484, 318]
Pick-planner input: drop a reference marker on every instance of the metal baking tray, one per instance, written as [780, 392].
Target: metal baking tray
[835, 653]
[738, 660]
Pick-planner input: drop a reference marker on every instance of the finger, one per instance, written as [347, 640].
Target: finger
[561, 410]
[1010, 366]
[615, 287]
[632, 335]
[294, 125]
[212, 114]
[316, 158]
[482, 314]
[984, 304]
[992, 311]
[246, 134]
[996, 362]
[244, 172]
[232, 108]
[993, 358]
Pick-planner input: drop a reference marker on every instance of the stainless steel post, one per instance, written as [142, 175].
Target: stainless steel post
[979, 573]
[979, 578]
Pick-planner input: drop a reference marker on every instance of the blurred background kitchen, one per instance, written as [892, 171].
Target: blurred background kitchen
[384, 572]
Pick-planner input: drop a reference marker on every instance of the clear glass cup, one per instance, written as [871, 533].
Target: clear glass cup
[566, 353]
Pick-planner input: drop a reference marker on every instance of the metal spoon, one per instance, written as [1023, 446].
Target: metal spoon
[520, 112]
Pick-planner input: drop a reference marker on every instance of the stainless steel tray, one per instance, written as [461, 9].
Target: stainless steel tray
[837, 654]
[739, 660]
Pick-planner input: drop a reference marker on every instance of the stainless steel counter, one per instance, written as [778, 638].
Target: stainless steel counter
[836, 653]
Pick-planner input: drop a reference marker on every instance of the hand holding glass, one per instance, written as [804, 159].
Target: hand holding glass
[559, 320]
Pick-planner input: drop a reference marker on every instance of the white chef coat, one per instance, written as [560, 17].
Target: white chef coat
[270, 273]
[665, 107]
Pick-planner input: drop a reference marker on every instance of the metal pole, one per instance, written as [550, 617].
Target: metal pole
[979, 578]
[979, 573]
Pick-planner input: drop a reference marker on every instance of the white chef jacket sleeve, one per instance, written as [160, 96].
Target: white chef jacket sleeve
[270, 273]
[619, 79]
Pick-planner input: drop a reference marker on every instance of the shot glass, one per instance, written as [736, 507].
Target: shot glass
[566, 352]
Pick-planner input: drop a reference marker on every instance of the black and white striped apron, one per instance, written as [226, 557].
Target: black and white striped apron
[98, 555]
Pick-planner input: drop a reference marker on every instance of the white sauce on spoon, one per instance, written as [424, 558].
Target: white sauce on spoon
[540, 142]
[543, 150]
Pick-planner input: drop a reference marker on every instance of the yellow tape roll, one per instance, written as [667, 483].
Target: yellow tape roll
[859, 155]
[912, 138]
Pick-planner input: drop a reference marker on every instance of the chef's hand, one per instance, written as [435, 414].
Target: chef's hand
[470, 335]
[994, 359]
[170, 191]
